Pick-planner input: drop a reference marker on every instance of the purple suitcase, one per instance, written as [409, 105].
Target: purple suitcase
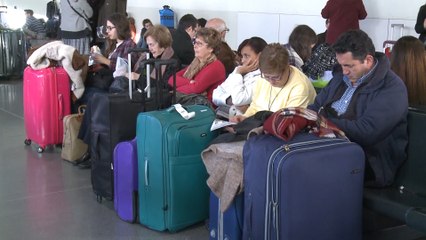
[126, 180]
[306, 188]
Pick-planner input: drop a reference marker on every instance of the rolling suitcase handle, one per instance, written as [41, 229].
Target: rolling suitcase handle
[174, 64]
[158, 63]
[129, 69]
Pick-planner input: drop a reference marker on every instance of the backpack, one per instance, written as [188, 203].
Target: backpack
[53, 20]
[52, 9]
[52, 28]
[167, 17]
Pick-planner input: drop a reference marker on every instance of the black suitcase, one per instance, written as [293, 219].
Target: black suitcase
[12, 53]
[113, 120]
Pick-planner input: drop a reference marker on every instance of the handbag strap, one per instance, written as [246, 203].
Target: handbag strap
[79, 14]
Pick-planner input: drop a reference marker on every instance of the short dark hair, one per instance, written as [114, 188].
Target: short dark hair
[273, 59]
[145, 21]
[29, 11]
[255, 43]
[202, 22]
[355, 41]
[186, 21]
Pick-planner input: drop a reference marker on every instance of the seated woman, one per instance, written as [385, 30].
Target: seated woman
[408, 61]
[236, 91]
[118, 30]
[205, 72]
[281, 85]
[300, 43]
[159, 42]
[119, 44]
[319, 66]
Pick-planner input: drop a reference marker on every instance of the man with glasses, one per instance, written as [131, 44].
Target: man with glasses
[280, 85]
[219, 25]
[225, 53]
[369, 103]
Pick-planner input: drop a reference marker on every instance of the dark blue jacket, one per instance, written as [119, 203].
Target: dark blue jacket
[376, 119]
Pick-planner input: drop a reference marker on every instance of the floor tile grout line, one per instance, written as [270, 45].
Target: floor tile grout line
[47, 194]
[11, 113]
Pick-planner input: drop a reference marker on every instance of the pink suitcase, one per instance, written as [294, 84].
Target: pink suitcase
[46, 101]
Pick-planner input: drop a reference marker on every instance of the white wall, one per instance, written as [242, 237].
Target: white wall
[38, 6]
[274, 19]
[270, 19]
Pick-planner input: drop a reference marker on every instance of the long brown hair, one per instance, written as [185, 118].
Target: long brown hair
[301, 39]
[408, 61]
[122, 27]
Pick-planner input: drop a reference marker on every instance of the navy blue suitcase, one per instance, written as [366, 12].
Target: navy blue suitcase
[227, 225]
[304, 189]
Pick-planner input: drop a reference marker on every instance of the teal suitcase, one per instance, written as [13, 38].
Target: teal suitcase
[173, 193]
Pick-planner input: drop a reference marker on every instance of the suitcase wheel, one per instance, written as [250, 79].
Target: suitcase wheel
[40, 149]
[27, 142]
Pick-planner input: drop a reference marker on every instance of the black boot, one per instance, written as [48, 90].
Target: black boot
[84, 158]
[86, 164]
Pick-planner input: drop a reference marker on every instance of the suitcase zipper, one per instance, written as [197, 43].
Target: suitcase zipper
[272, 182]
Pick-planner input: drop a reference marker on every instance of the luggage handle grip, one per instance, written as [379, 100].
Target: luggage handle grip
[129, 69]
[61, 106]
[182, 111]
[146, 172]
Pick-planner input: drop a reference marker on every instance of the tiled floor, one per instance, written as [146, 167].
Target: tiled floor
[43, 197]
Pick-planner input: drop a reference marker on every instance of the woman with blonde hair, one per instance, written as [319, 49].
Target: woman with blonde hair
[408, 61]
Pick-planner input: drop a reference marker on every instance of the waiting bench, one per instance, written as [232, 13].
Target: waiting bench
[405, 200]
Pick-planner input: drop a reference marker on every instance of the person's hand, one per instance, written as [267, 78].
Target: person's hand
[134, 76]
[237, 119]
[99, 58]
[243, 108]
[230, 129]
[249, 66]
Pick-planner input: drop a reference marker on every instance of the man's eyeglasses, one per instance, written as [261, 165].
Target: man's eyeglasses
[226, 30]
[109, 28]
[271, 77]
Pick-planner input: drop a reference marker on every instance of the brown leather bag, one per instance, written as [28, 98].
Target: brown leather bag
[73, 147]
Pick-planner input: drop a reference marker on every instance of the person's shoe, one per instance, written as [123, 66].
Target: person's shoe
[84, 158]
[85, 165]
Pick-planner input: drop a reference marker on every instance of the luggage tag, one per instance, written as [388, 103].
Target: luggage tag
[182, 111]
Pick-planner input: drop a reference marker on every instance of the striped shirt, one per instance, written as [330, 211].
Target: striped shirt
[35, 25]
[342, 104]
[293, 58]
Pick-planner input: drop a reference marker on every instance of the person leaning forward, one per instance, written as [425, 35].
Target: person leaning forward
[368, 101]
